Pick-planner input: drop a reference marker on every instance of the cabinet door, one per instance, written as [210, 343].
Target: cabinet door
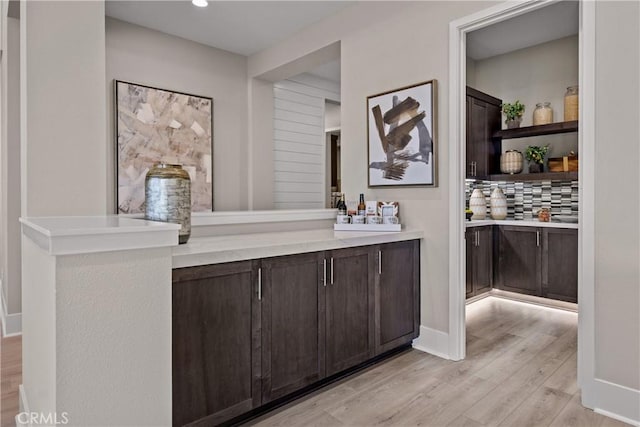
[397, 310]
[483, 120]
[292, 334]
[349, 308]
[483, 260]
[560, 264]
[470, 243]
[519, 261]
[215, 343]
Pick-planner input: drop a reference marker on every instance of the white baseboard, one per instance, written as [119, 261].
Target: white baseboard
[617, 402]
[23, 405]
[11, 323]
[433, 342]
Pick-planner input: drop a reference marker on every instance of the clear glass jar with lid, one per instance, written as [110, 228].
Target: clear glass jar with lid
[543, 114]
[571, 104]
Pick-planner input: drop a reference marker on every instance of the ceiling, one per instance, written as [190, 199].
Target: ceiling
[329, 71]
[242, 27]
[543, 25]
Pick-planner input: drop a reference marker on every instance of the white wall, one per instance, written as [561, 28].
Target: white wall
[617, 269]
[331, 116]
[299, 147]
[11, 268]
[63, 137]
[140, 55]
[536, 74]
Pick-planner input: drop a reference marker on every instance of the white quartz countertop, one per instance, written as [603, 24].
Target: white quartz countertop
[520, 223]
[220, 249]
[86, 234]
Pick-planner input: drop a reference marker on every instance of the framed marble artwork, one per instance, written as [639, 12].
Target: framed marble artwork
[158, 125]
[401, 136]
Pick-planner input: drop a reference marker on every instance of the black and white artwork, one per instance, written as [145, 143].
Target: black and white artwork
[401, 136]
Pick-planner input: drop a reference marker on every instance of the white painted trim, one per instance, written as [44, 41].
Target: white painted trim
[433, 342]
[586, 233]
[23, 405]
[457, 155]
[618, 402]
[11, 323]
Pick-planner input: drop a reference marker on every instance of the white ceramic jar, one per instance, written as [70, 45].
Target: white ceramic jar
[498, 204]
[511, 162]
[478, 204]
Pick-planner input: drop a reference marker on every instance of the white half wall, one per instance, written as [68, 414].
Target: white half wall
[152, 58]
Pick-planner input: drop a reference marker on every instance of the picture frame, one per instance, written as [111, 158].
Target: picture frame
[155, 125]
[401, 136]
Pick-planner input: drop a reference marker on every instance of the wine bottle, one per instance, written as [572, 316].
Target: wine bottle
[342, 206]
[362, 208]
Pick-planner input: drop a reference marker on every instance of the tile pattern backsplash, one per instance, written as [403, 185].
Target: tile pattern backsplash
[525, 198]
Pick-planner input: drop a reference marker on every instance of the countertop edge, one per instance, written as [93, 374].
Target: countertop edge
[340, 240]
[520, 223]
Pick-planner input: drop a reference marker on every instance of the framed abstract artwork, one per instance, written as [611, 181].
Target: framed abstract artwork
[157, 125]
[402, 137]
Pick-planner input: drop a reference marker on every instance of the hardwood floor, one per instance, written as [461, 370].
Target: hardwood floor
[11, 378]
[520, 371]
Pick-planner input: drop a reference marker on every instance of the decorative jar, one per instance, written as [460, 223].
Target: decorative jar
[478, 204]
[511, 162]
[498, 204]
[571, 104]
[543, 114]
[168, 197]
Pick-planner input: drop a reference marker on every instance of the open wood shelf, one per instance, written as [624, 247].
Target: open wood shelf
[543, 176]
[550, 129]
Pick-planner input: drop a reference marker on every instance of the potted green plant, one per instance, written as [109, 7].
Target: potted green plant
[536, 155]
[513, 113]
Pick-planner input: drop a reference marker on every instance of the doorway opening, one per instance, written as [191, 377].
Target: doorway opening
[459, 68]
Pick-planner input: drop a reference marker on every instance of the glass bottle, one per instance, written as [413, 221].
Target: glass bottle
[543, 114]
[571, 104]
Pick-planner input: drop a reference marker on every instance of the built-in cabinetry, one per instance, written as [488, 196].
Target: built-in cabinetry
[251, 332]
[484, 140]
[483, 120]
[538, 261]
[479, 243]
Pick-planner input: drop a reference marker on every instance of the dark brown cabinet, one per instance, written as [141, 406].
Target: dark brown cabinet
[397, 299]
[215, 343]
[292, 330]
[248, 333]
[479, 268]
[519, 260]
[560, 264]
[349, 294]
[483, 120]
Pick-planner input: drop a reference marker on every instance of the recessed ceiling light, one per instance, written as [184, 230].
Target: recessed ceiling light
[200, 3]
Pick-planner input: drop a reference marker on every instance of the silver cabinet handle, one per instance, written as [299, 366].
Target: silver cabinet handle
[538, 238]
[379, 262]
[332, 270]
[324, 271]
[259, 284]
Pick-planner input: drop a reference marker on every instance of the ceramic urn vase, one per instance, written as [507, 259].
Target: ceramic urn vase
[478, 204]
[168, 197]
[498, 204]
[511, 162]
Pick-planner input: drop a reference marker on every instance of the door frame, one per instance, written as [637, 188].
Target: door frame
[457, 162]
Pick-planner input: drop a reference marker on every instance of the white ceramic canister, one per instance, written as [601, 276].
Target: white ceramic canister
[478, 204]
[498, 204]
[511, 162]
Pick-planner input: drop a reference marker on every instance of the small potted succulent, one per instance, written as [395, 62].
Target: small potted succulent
[513, 113]
[536, 155]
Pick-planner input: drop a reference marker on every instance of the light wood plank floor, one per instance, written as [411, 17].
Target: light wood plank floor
[11, 378]
[520, 371]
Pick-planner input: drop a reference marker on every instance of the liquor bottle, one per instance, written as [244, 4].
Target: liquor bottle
[362, 208]
[342, 206]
